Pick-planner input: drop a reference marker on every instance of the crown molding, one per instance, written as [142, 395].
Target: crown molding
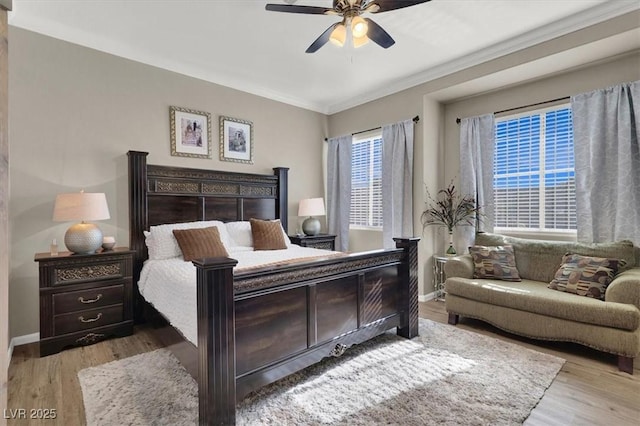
[579, 21]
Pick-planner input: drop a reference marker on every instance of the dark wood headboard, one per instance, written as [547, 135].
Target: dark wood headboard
[163, 194]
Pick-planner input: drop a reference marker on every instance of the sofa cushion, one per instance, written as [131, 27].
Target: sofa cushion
[497, 262]
[536, 297]
[539, 260]
[585, 275]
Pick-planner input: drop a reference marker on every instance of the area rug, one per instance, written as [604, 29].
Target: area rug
[445, 376]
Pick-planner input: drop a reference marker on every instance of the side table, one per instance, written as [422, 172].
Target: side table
[439, 276]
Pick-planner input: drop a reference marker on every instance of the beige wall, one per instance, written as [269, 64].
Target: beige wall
[74, 114]
[4, 209]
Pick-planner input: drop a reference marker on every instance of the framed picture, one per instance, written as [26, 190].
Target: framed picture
[236, 140]
[190, 133]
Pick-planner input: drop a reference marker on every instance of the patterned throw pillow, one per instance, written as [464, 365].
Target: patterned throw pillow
[199, 243]
[267, 235]
[585, 275]
[495, 262]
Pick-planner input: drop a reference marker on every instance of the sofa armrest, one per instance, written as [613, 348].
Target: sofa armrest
[459, 266]
[625, 288]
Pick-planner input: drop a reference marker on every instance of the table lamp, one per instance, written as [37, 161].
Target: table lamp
[81, 238]
[311, 207]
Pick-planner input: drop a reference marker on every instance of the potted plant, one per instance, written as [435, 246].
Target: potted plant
[450, 209]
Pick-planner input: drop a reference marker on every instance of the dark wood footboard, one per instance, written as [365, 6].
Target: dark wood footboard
[289, 319]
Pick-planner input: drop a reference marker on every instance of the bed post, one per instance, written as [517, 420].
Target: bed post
[216, 341]
[138, 221]
[282, 205]
[409, 280]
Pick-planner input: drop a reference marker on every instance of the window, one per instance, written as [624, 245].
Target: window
[366, 181]
[534, 176]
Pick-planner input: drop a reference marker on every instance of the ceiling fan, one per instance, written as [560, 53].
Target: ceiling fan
[362, 29]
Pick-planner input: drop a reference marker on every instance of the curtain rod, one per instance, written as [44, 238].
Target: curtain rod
[415, 120]
[526, 106]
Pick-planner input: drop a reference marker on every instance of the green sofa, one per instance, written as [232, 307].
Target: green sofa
[529, 308]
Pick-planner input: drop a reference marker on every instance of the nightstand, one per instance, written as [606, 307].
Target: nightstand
[84, 298]
[320, 241]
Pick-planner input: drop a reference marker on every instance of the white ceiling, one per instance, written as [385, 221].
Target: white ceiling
[238, 44]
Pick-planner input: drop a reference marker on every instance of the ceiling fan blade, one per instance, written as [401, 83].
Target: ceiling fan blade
[379, 6]
[292, 8]
[322, 40]
[377, 34]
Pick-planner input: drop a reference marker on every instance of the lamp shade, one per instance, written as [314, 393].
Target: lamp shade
[311, 207]
[81, 238]
[80, 206]
[338, 35]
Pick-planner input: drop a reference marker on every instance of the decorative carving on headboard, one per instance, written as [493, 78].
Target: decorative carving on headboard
[212, 175]
[220, 188]
[262, 191]
[180, 187]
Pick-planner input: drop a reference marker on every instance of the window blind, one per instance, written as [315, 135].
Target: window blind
[534, 177]
[366, 182]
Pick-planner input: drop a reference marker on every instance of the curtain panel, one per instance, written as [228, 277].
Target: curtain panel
[606, 126]
[477, 147]
[339, 189]
[397, 181]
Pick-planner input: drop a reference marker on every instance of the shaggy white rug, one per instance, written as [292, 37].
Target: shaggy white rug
[445, 376]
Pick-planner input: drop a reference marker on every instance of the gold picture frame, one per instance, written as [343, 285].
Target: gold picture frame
[190, 133]
[236, 140]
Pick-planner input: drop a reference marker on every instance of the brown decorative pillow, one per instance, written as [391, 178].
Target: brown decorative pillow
[197, 243]
[267, 235]
[495, 262]
[586, 275]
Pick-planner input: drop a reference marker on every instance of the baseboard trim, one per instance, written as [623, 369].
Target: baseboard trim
[21, 340]
[426, 297]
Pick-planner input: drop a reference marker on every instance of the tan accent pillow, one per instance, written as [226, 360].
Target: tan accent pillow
[197, 243]
[586, 275]
[267, 235]
[494, 262]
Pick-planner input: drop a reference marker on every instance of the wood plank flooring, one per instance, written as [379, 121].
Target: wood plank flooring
[589, 390]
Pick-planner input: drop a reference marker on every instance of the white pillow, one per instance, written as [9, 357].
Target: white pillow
[163, 245]
[240, 233]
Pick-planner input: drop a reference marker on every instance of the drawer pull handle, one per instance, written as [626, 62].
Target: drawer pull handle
[81, 299]
[81, 318]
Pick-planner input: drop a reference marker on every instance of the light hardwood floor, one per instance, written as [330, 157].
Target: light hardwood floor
[588, 390]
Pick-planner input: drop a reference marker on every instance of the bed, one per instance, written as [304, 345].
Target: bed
[257, 325]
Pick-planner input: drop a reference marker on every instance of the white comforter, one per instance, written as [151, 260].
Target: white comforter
[170, 284]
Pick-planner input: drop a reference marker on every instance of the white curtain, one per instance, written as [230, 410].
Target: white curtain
[339, 189]
[606, 126]
[397, 181]
[477, 146]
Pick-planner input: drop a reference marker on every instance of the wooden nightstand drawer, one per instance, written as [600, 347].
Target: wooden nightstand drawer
[324, 245]
[87, 299]
[87, 273]
[82, 320]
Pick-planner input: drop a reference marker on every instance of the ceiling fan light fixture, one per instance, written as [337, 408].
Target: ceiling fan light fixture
[338, 35]
[360, 41]
[359, 27]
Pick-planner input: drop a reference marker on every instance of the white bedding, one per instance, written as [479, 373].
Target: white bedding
[170, 284]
